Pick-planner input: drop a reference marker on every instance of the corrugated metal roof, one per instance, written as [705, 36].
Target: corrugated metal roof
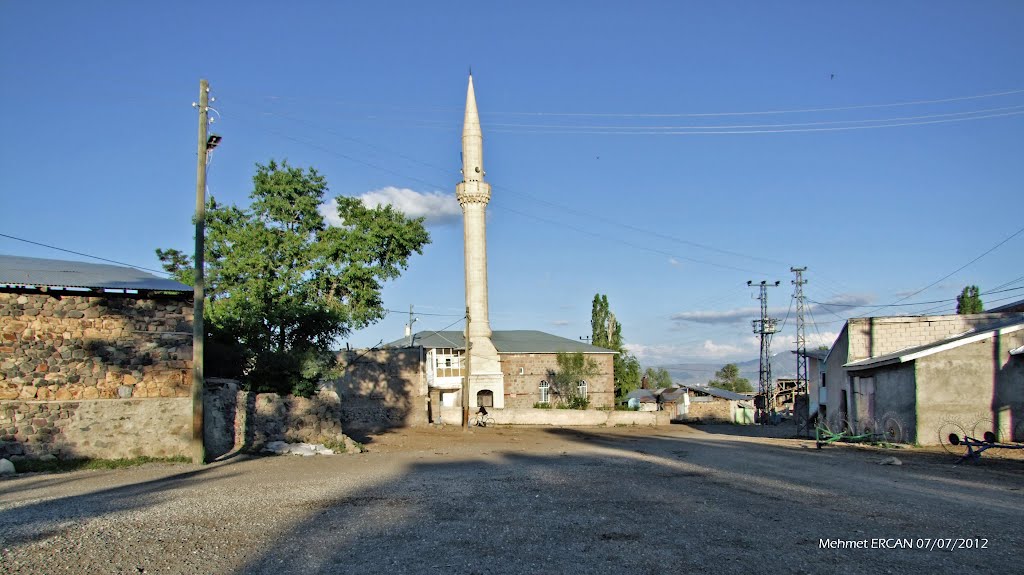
[22, 271]
[718, 392]
[505, 341]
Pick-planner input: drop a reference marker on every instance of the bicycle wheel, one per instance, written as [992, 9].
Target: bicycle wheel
[488, 421]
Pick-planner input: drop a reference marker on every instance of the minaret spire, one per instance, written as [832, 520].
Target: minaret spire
[472, 140]
[473, 194]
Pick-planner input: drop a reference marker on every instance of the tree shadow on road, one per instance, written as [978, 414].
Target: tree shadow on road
[40, 519]
[616, 504]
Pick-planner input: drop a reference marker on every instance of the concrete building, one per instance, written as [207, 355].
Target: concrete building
[927, 371]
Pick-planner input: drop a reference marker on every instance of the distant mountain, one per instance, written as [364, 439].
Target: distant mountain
[783, 365]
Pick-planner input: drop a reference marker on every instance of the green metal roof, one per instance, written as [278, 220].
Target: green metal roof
[505, 341]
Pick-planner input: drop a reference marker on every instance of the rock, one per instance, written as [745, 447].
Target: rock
[52, 457]
[890, 461]
[6, 467]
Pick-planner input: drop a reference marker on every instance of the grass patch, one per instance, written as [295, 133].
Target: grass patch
[66, 465]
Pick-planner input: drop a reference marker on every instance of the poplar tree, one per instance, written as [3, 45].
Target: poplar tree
[969, 301]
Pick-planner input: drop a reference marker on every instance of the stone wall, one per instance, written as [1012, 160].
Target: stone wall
[381, 388]
[525, 371]
[721, 410]
[57, 346]
[108, 429]
[162, 427]
[565, 417]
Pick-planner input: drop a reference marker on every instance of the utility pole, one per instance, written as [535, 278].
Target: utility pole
[408, 327]
[765, 327]
[801, 336]
[198, 290]
[465, 378]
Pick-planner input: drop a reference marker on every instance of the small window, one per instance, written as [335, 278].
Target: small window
[582, 388]
[544, 392]
[522, 371]
[447, 362]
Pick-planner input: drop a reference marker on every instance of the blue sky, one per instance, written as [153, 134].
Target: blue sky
[630, 147]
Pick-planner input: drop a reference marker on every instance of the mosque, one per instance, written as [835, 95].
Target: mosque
[506, 369]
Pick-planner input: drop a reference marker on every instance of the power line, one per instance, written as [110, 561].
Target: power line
[377, 105]
[560, 207]
[947, 300]
[643, 132]
[613, 128]
[988, 251]
[86, 255]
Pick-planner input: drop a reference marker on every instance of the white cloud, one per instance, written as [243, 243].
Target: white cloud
[661, 354]
[438, 208]
[839, 305]
[725, 316]
[675, 262]
[826, 338]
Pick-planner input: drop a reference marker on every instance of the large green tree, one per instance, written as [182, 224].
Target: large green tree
[606, 332]
[282, 285]
[969, 301]
[728, 378]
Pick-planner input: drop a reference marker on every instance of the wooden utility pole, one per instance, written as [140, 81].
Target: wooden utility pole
[465, 378]
[199, 291]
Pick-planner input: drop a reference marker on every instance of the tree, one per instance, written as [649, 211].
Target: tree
[728, 378]
[606, 332]
[657, 378]
[969, 301]
[283, 286]
[573, 368]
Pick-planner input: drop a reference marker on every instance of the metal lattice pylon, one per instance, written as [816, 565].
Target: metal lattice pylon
[801, 336]
[765, 327]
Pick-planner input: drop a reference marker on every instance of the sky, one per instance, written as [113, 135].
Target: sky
[661, 153]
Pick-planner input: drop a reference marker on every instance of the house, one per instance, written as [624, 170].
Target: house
[816, 394]
[707, 403]
[419, 378]
[926, 372]
[80, 338]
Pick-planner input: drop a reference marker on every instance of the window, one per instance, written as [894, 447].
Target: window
[544, 392]
[582, 388]
[522, 371]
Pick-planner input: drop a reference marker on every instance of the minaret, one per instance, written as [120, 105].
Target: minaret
[473, 194]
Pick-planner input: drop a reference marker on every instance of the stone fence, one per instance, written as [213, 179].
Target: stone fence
[563, 417]
[162, 427]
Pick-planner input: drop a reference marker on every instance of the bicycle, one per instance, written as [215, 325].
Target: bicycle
[480, 420]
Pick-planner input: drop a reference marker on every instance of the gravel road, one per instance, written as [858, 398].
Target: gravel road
[528, 500]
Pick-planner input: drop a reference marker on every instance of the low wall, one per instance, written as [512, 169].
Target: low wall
[109, 429]
[718, 411]
[563, 417]
[162, 427]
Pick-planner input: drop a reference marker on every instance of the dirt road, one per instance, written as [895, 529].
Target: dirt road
[528, 500]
